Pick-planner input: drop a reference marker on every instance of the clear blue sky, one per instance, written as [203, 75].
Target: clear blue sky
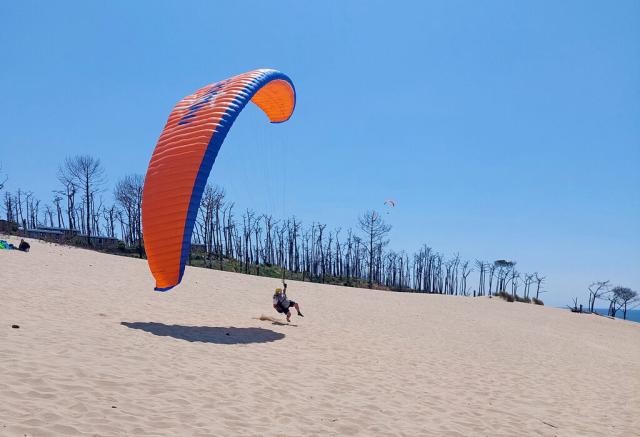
[503, 129]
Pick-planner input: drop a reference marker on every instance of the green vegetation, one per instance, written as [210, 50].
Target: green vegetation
[509, 297]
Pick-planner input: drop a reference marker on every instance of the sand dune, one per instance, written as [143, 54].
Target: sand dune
[99, 353]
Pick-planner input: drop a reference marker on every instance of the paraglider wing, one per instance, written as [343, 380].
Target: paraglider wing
[390, 203]
[184, 156]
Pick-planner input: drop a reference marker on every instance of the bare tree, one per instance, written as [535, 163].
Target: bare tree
[48, 214]
[205, 221]
[492, 270]
[482, 270]
[539, 281]
[9, 207]
[86, 174]
[70, 193]
[110, 215]
[515, 282]
[375, 230]
[466, 271]
[614, 302]
[60, 217]
[128, 195]
[504, 274]
[596, 291]
[620, 298]
[528, 280]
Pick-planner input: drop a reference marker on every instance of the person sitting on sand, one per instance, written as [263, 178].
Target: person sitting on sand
[282, 304]
[24, 246]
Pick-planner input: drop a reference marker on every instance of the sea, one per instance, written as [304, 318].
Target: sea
[633, 315]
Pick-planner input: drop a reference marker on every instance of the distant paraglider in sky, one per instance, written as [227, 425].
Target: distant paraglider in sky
[184, 156]
[390, 204]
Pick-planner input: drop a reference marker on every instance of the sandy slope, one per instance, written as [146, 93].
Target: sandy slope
[99, 353]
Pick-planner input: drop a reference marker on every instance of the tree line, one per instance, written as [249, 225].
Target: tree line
[255, 242]
[618, 298]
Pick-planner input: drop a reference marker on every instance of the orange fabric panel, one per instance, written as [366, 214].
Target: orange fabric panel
[276, 99]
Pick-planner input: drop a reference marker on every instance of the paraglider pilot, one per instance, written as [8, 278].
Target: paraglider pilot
[282, 304]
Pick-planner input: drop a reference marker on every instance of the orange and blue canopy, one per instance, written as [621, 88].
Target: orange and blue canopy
[184, 156]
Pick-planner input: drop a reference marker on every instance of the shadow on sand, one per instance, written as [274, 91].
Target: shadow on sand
[208, 334]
